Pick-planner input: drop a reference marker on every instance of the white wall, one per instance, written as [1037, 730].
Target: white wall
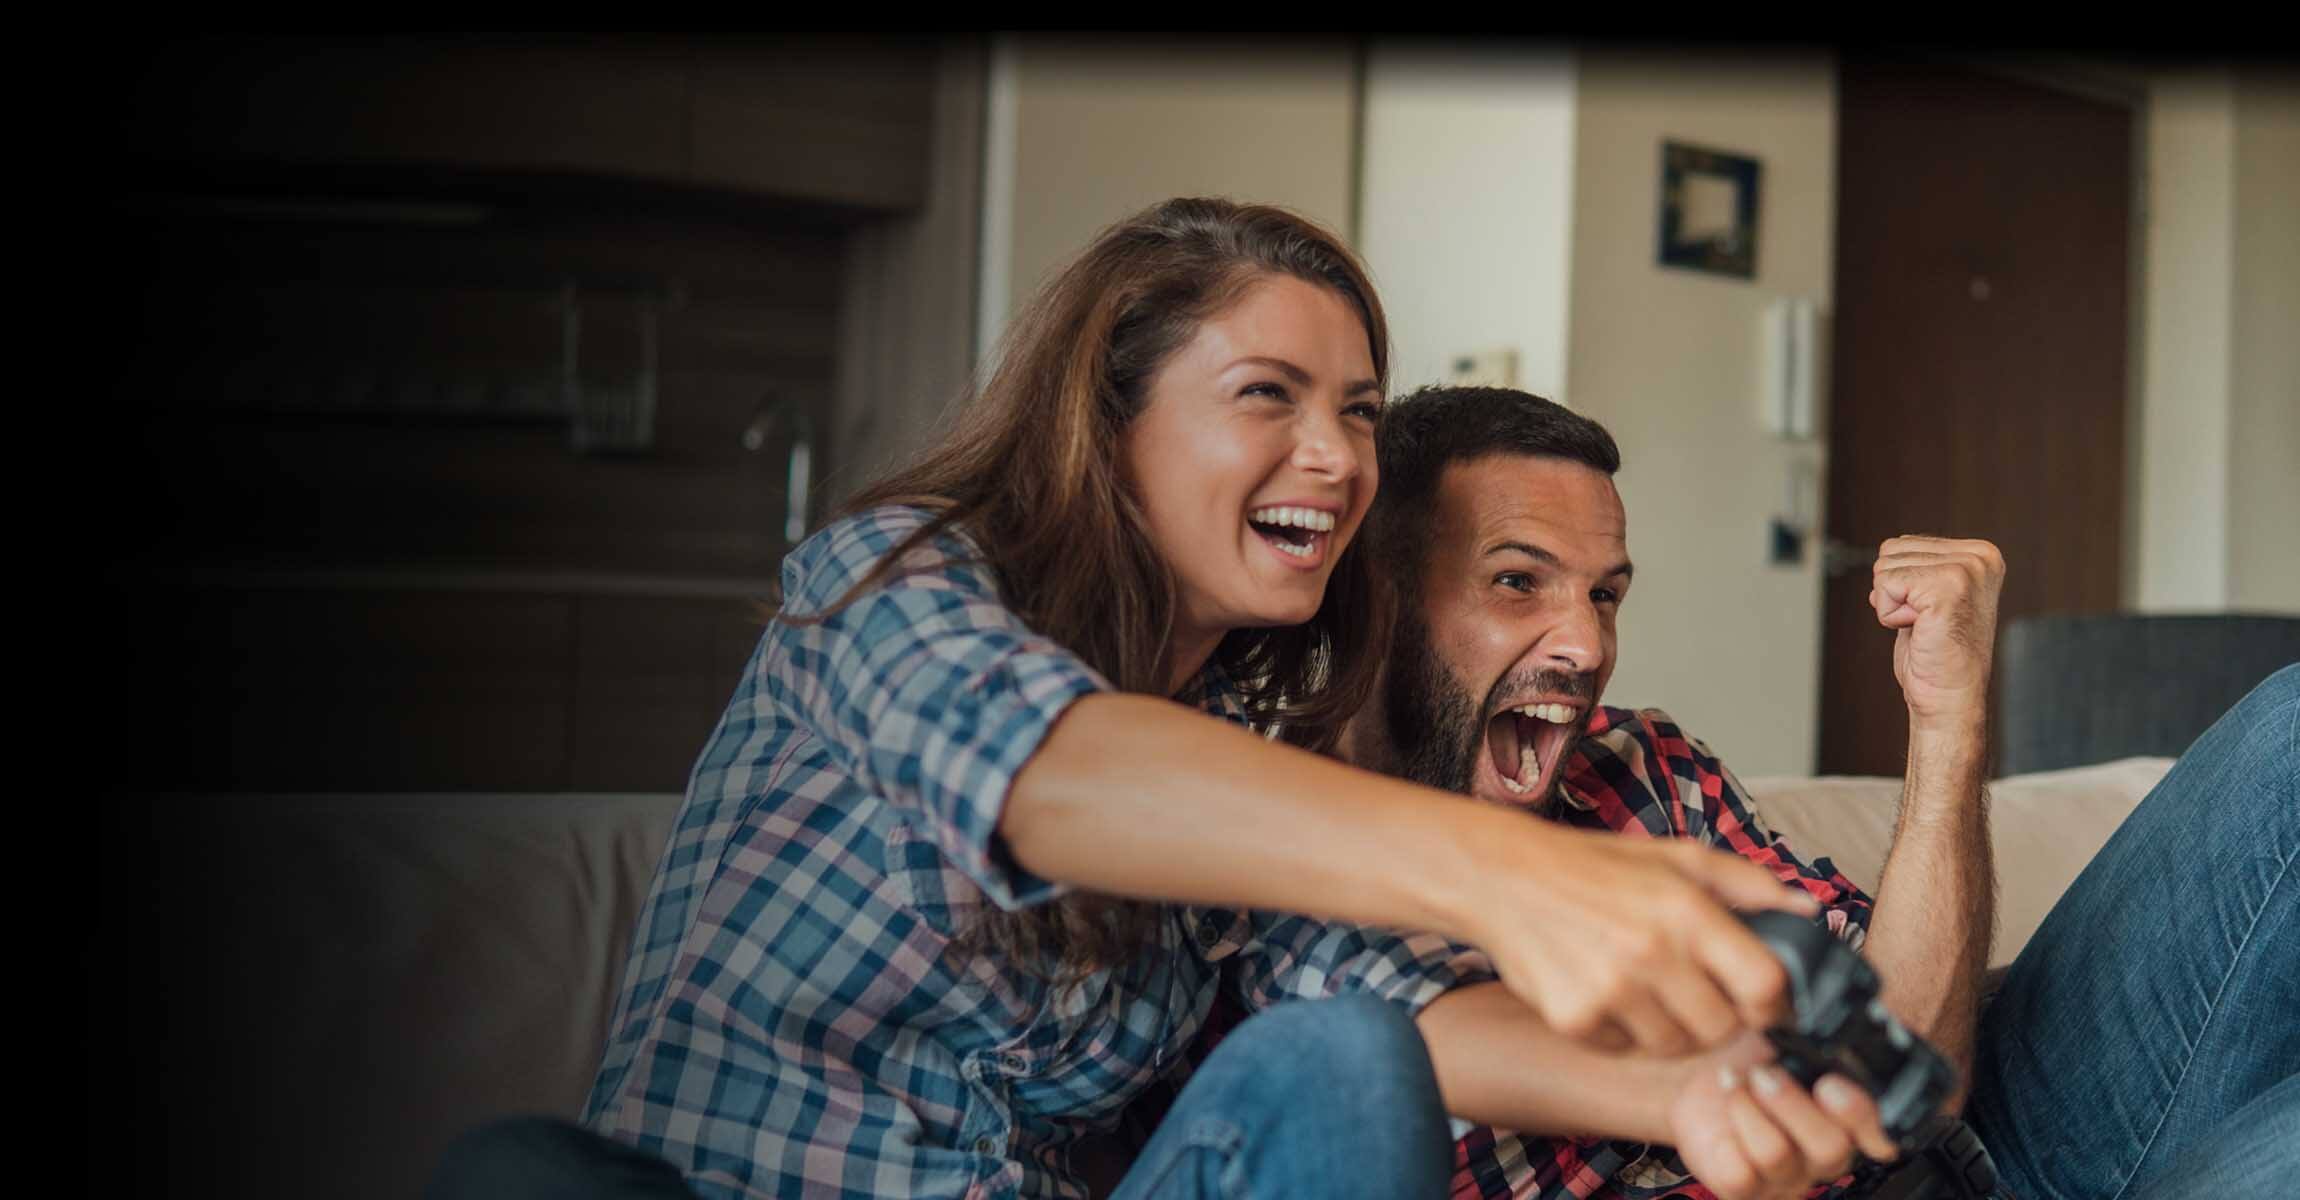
[2264, 371]
[1466, 206]
[2219, 456]
[1667, 360]
[1083, 132]
[2182, 542]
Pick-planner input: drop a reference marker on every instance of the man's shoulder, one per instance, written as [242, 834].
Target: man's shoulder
[1649, 731]
[1640, 767]
[1642, 742]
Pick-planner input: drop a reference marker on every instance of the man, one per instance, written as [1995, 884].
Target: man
[2150, 1033]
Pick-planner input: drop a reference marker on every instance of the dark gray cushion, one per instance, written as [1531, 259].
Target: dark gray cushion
[2089, 689]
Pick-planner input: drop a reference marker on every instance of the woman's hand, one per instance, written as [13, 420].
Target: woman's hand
[1750, 1132]
[1623, 942]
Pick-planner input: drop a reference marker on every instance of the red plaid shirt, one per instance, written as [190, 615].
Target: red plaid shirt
[1638, 774]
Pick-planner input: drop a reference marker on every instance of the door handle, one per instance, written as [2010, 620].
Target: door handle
[1841, 558]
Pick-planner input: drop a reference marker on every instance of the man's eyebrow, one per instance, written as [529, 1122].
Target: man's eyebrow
[1301, 378]
[1624, 568]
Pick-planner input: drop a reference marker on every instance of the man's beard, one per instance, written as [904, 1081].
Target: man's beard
[1431, 719]
[1436, 727]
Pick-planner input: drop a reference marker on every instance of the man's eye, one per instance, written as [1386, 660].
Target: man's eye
[1516, 581]
[1605, 596]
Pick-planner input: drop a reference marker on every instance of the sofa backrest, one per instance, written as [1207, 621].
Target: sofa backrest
[2045, 828]
[2100, 686]
[352, 981]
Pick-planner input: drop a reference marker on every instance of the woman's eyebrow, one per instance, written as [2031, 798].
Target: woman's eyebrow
[1300, 377]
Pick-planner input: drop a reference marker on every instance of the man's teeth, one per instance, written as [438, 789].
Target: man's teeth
[1528, 769]
[1299, 518]
[1555, 714]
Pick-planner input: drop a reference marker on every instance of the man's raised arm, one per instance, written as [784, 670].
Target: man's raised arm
[1935, 914]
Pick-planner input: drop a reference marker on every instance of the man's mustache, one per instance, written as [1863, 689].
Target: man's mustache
[1580, 685]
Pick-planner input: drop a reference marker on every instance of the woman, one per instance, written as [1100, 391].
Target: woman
[956, 878]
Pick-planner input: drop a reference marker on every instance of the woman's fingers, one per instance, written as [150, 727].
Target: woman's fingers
[1854, 1112]
[1650, 1025]
[1725, 949]
[1826, 1148]
[1770, 1153]
[1701, 1007]
[1662, 959]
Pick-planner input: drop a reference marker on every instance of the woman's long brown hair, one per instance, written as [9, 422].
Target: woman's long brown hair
[1033, 475]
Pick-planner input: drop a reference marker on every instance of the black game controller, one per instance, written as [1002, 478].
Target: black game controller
[1837, 1026]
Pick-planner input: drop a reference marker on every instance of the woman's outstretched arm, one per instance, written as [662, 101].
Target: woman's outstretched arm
[1139, 796]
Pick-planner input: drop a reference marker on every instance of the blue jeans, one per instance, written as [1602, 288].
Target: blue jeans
[2147, 1041]
[1324, 1098]
[1318, 1098]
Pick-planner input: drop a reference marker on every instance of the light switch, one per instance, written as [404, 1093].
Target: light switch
[1483, 368]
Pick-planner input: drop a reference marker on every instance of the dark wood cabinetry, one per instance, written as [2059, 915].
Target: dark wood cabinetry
[360, 545]
[840, 121]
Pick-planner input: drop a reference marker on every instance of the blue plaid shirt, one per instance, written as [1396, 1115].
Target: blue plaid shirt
[794, 1020]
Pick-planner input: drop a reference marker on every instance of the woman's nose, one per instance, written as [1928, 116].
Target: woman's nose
[1322, 447]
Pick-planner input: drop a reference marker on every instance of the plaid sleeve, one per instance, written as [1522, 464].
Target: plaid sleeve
[926, 687]
[1733, 822]
[1285, 956]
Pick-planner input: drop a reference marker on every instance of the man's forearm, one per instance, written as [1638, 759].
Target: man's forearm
[1498, 1064]
[1936, 905]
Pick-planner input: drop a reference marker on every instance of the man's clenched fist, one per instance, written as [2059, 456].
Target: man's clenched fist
[1940, 595]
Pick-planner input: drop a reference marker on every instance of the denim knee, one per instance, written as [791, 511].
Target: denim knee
[1356, 1039]
[2269, 711]
[2279, 691]
[1352, 1072]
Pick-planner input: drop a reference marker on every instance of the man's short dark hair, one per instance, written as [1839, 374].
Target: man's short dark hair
[1436, 427]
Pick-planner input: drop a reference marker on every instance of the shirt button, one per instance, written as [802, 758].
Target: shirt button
[985, 1144]
[1013, 1063]
[1209, 935]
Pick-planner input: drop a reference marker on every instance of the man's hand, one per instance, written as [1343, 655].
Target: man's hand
[1940, 595]
[1621, 942]
[1750, 1132]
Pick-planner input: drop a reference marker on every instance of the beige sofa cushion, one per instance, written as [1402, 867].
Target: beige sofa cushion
[2045, 827]
[377, 974]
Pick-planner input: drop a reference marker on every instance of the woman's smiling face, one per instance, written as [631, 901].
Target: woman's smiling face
[1253, 457]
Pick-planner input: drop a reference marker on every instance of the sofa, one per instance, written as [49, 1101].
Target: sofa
[345, 983]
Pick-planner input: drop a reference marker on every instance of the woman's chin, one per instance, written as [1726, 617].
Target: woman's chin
[1276, 613]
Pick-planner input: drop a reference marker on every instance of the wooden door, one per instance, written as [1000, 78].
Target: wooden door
[1979, 355]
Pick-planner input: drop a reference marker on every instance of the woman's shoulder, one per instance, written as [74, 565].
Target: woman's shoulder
[845, 552]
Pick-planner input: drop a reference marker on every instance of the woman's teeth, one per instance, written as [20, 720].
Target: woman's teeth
[1299, 518]
[1294, 531]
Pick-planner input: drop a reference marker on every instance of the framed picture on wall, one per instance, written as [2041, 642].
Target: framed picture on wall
[1708, 210]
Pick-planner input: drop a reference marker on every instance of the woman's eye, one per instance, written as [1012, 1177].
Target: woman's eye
[1516, 581]
[1366, 409]
[1271, 390]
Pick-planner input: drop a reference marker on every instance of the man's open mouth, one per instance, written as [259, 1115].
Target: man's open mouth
[1295, 532]
[1527, 741]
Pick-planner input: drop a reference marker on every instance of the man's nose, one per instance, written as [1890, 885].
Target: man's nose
[1576, 643]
